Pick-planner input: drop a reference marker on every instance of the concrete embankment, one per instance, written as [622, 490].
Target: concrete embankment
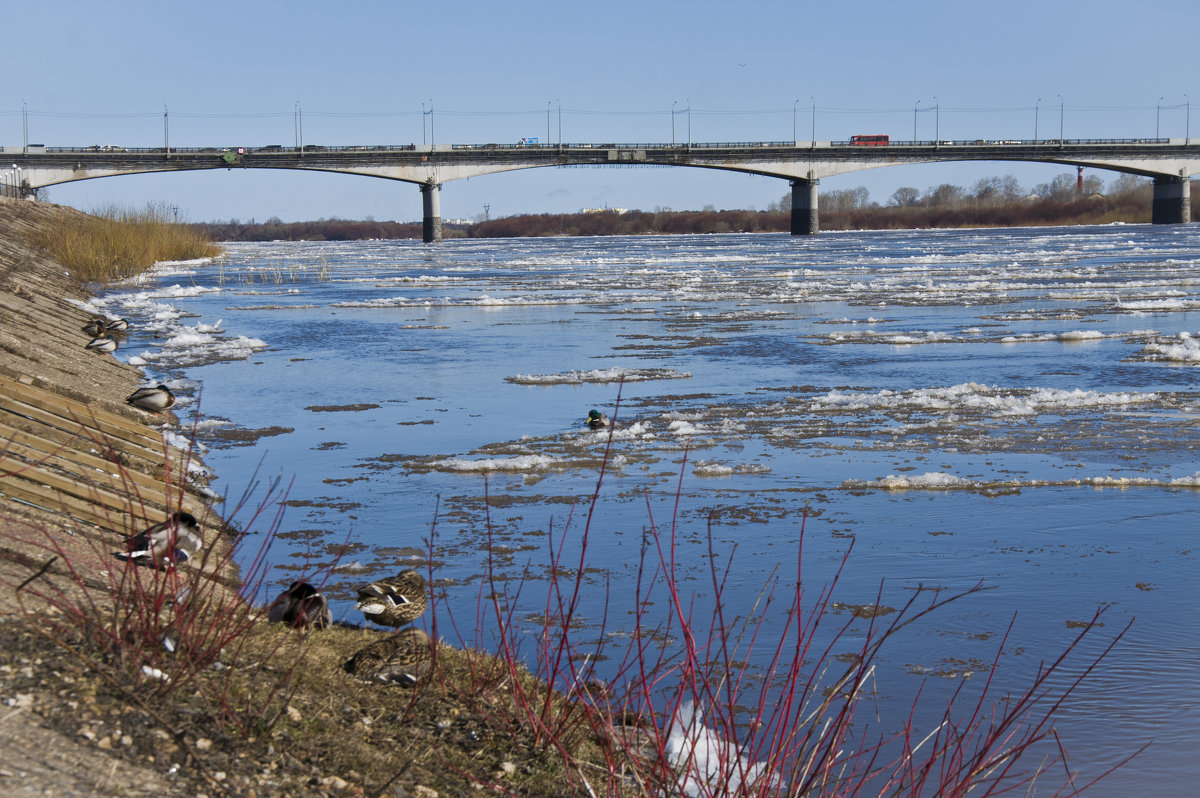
[76, 457]
[79, 469]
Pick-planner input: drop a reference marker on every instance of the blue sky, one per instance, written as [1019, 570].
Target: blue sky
[233, 74]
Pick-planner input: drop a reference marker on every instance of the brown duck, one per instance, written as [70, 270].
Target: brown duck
[401, 659]
[393, 601]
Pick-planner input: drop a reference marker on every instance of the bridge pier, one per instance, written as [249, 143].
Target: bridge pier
[804, 207]
[1172, 201]
[431, 229]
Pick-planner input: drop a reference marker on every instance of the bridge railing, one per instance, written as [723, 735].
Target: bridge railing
[275, 149]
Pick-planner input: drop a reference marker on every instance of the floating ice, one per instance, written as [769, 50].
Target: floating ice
[975, 397]
[615, 374]
[525, 462]
[705, 763]
[1183, 349]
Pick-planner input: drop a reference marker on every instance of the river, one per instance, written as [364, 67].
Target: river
[1017, 407]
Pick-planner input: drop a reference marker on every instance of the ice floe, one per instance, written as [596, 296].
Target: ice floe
[615, 374]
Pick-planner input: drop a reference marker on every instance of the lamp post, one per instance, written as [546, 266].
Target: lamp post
[299, 128]
[814, 122]
[689, 102]
[1157, 117]
[432, 140]
[547, 123]
[795, 138]
[24, 127]
[559, 122]
[937, 122]
[1187, 129]
[915, 107]
[1061, 113]
[673, 103]
[1037, 107]
[166, 137]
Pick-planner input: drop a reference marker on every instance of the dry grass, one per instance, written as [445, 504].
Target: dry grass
[114, 243]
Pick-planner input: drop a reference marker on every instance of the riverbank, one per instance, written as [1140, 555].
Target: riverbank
[256, 713]
[65, 426]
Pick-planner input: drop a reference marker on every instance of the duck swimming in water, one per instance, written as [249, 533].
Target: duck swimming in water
[597, 420]
[301, 606]
[155, 399]
[167, 544]
[393, 601]
[400, 659]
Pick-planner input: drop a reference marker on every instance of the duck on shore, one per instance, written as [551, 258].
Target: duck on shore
[100, 325]
[102, 343]
[301, 606]
[153, 398]
[393, 601]
[164, 545]
[400, 659]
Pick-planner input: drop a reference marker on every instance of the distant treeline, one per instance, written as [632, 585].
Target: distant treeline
[991, 202]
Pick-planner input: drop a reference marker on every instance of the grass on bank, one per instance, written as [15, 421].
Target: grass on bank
[113, 243]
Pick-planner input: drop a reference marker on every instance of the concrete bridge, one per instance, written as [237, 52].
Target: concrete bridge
[1170, 162]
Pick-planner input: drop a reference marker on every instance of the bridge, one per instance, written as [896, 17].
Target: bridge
[1169, 162]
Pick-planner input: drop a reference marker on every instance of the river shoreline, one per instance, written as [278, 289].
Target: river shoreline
[75, 454]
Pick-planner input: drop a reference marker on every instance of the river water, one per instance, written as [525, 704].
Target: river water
[1013, 406]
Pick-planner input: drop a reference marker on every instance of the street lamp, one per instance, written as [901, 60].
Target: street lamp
[814, 121]
[547, 123]
[937, 121]
[915, 108]
[1037, 107]
[1187, 130]
[299, 128]
[1061, 111]
[559, 122]
[673, 104]
[166, 138]
[1157, 117]
[795, 138]
[689, 102]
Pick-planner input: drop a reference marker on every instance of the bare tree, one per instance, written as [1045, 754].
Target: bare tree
[943, 195]
[905, 197]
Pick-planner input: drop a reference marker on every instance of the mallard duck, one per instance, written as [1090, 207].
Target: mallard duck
[115, 325]
[401, 659]
[393, 601]
[301, 606]
[155, 399]
[102, 343]
[597, 420]
[164, 545]
[95, 326]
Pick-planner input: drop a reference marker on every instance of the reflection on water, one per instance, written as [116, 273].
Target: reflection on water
[1012, 406]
